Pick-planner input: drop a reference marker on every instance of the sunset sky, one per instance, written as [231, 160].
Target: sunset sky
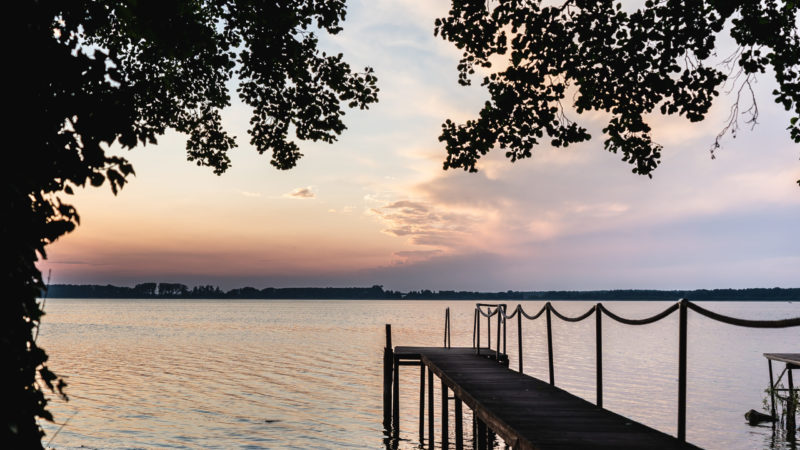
[377, 208]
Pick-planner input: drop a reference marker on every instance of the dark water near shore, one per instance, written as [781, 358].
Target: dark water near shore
[307, 374]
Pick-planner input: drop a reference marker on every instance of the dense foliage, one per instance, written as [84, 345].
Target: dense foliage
[96, 73]
[600, 57]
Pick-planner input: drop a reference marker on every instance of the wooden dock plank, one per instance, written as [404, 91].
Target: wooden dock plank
[529, 413]
[789, 358]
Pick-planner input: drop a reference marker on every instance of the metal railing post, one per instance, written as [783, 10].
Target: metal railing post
[489, 330]
[447, 328]
[499, 324]
[388, 366]
[505, 334]
[550, 346]
[599, 350]
[474, 320]
[478, 327]
[519, 336]
[682, 371]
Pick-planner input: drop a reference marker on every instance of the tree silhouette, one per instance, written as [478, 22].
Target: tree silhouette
[95, 74]
[606, 59]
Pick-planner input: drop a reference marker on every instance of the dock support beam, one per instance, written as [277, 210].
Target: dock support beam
[771, 387]
[474, 430]
[445, 417]
[481, 435]
[396, 398]
[791, 407]
[388, 361]
[459, 425]
[430, 409]
[421, 404]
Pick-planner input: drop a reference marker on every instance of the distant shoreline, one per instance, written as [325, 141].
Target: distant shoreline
[376, 292]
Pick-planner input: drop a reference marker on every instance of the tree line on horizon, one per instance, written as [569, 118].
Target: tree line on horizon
[376, 292]
[178, 290]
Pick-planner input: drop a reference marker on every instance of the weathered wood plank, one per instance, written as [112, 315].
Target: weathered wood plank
[790, 358]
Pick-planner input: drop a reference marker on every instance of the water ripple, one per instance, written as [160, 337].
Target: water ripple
[307, 374]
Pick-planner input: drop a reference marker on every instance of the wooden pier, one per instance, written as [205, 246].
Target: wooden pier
[527, 413]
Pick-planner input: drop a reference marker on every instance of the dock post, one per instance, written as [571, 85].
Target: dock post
[481, 435]
[478, 331]
[771, 387]
[445, 418]
[499, 318]
[447, 328]
[489, 331]
[519, 337]
[550, 346]
[505, 334]
[791, 406]
[459, 425]
[599, 349]
[421, 404]
[388, 361]
[682, 371]
[474, 430]
[396, 397]
[474, 319]
[430, 408]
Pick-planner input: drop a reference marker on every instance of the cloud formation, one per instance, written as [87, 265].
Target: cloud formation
[423, 224]
[304, 192]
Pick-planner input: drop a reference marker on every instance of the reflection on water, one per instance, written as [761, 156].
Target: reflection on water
[307, 374]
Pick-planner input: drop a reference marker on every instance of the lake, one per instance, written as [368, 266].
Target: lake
[308, 373]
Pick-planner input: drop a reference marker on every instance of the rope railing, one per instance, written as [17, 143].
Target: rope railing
[572, 319]
[533, 317]
[683, 305]
[784, 323]
[645, 321]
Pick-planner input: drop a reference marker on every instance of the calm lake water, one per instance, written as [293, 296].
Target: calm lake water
[307, 374]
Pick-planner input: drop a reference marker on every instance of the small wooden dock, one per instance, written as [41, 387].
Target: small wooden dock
[527, 413]
[792, 361]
